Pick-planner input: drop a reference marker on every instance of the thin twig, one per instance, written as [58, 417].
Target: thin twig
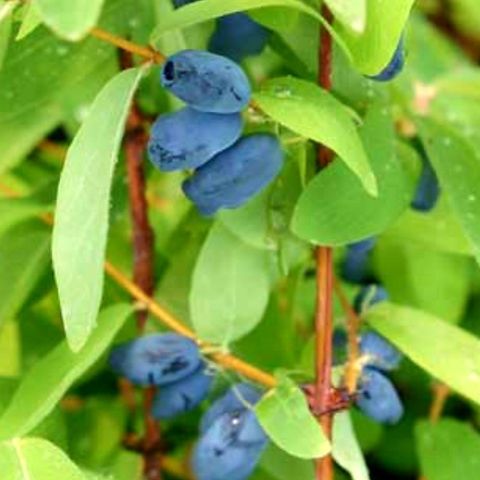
[145, 52]
[324, 261]
[353, 368]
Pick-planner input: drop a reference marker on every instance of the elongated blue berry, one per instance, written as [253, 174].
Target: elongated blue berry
[355, 268]
[238, 36]
[232, 177]
[395, 65]
[189, 138]
[377, 397]
[428, 189]
[369, 295]
[238, 397]
[206, 82]
[380, 353]
[230, 447]
[157, 359]
[182, 396]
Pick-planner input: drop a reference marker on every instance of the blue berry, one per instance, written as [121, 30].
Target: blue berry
[394, 67]
[238, 397]
[380, 353]
[369, 295]
[157, 359]
[230, 447]
[238, 36]
[189, 138]
[234, 176]
[355, 266]
[182, 396]
[206, 82]
[377, 397]
[181, 3]
[428, 189]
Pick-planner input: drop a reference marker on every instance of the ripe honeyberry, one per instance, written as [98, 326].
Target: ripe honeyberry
[156, 359]
[379, 352]
[355, 268]
[428, 189]
[238, 36]
[369, 295]
[232, 177]
[377, 397]
[395, 65]
[206, 82]
[189, 138]
[230, 447]
[238, 397]
[182, 396]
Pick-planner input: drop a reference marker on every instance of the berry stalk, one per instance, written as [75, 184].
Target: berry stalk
[324, 293]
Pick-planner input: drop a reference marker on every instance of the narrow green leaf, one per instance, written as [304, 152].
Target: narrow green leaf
[223, 304]
[350, 13]
[24, 256]
[283, 466]
[373, 49]
[345, 450]
[284, 414]
[35, 459]
[46, 383]
[207, 9]
[445, 351]
[457, 165]
[313, 113]
[83, 202]
[448, 450]
[322, 216]
[70, 19]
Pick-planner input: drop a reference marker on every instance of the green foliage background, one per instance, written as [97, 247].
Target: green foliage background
[243, 280]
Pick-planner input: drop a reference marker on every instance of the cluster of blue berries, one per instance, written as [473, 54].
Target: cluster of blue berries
[236, 36]
[376, 395]
[231, 439]
[205, 135]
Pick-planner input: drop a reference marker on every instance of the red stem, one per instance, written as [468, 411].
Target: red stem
[324, 261]
[143, 265]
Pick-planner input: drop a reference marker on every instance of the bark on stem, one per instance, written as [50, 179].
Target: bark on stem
[324, 293]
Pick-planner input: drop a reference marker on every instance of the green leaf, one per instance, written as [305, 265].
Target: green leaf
[373, 49]
[207, 9]
[24, 254]
[448, 450]
[457, 165]
[46, 383]
[83, 202]
[439, 230]
[419, 277]
[282, 466]
[345, 450]
[35, 459]
[10, 361]
[16, 210]
[223, 304]
[284, 414]
[350, 13]
[322, 216]
[70, 19]
[30, 21]
[444, 350]
[6, 10]
[41, 74]
[313, 113]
